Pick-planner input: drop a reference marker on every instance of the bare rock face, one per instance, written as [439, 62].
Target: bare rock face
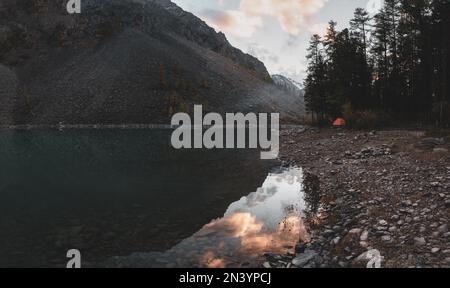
[198, 31]
[127, 61]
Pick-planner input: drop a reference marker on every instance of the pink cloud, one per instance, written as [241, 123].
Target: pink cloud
[293, 15]
[234, 22]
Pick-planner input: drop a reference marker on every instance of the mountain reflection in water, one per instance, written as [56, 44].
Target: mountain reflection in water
[268, 220]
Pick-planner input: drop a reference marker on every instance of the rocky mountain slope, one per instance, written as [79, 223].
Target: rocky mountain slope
[123, 61]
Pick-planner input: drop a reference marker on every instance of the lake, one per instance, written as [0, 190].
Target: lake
[124, 197]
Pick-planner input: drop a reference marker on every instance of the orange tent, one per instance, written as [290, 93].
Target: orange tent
[339, 122]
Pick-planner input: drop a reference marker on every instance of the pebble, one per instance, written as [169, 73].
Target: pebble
[420, 217]
[440, 150]
[364, 236]
[386, 238]
[383, 222]
[435, 250]
[343, 264]
[303, 259]
[443, 228]
[336, 240]
[364, 244]
[420, 241]
[355, 231]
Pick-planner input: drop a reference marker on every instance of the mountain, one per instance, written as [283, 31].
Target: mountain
[123, 61]
[290, 86]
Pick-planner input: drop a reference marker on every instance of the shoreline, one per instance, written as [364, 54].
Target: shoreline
[107, 126]
[384, 190]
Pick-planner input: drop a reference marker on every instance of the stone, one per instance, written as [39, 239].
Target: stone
[407, 203]
[386, 238]
[303, 259]
[364, 236]
[383, 222]
[336, 240]
[435, 250]
[434, 225]
[420, 241]
[364, 244]
[443, 228]
[272, 256]
[267, 265]
[440, 150]
[355, 231]
[343, 264]
[381, 228]
[435, 184]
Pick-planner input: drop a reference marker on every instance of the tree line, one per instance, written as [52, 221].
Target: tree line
[391, 66]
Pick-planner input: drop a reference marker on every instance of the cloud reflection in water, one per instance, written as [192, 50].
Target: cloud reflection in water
[268, 220]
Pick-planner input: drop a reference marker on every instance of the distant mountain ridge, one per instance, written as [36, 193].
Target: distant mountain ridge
[123, 61]
[289, 85]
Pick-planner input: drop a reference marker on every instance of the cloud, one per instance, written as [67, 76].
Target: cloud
[233, 22]
[292, 15]
[262, 53]
[319, 28]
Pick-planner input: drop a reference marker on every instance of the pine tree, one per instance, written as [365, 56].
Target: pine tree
[315, 81]
[440, 31]
[359, 27]
[398, 62]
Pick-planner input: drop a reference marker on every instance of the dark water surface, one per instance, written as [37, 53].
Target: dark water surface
[269, 220]
[120, 191]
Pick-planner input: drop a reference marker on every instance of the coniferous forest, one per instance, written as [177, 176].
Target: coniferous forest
[391, 67]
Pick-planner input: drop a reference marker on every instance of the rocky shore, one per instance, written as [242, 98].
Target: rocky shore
[383, 190]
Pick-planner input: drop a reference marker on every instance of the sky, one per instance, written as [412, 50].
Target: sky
[275, 31]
